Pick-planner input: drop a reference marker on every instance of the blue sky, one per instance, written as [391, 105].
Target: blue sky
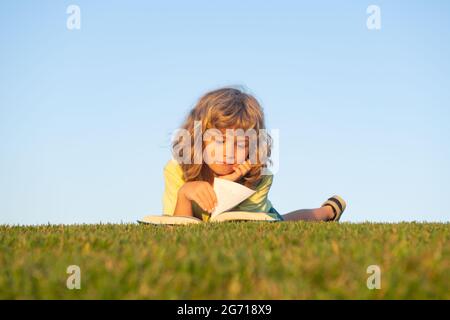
[86, 115]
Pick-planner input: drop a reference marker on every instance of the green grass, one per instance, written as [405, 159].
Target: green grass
[226, 261]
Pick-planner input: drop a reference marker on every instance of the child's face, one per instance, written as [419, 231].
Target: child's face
[237, 153]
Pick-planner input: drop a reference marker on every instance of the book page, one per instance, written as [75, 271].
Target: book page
[169, 220]
[242, 216]
[229, 194]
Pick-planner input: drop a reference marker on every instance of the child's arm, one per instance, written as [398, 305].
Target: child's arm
[183, 206]
[199, 191]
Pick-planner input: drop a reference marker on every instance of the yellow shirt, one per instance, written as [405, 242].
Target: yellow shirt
[173, 178]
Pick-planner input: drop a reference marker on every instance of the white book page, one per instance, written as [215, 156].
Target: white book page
[229, 194]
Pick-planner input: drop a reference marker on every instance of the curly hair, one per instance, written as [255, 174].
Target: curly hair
[225, 108]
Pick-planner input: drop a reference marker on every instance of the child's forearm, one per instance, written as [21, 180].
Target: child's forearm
[183, 206]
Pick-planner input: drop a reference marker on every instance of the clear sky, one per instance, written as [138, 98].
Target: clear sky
[86, 115]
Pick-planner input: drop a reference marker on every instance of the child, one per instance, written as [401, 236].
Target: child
[188, 181]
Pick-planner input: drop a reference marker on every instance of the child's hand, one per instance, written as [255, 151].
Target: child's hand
[201, 192]
[240, 170]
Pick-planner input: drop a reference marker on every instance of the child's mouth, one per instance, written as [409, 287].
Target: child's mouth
[224, 169]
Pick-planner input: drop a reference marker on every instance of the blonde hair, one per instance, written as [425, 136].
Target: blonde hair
[226, 108]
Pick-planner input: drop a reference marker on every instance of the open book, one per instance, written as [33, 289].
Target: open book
[229, 194]
[221, 217]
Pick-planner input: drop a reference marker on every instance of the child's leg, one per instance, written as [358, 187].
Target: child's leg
[331, 210]
[320, 214]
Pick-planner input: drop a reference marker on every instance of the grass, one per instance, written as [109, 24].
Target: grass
[226, 261]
